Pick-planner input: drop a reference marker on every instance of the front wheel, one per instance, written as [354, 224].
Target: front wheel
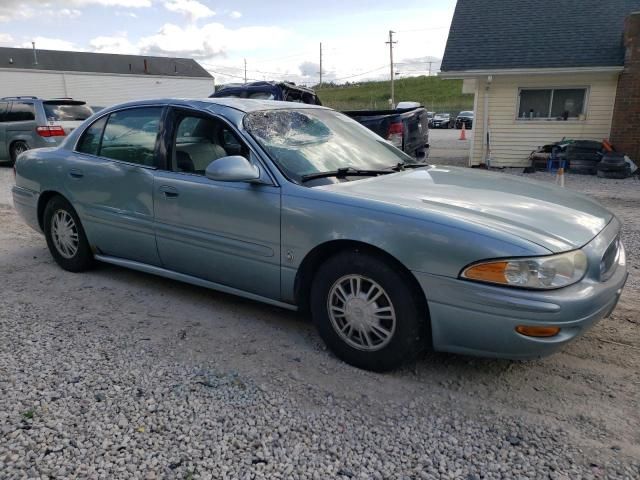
[367, 312]
[65, 236]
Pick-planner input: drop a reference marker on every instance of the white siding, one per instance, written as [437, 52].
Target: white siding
[101, 89]
[513, 140]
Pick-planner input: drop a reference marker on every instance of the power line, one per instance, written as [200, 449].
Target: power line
[360, 74]
[423, 29]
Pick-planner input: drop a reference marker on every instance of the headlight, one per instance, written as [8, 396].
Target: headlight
[555, 271]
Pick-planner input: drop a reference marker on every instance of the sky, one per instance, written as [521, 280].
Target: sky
[280, 39]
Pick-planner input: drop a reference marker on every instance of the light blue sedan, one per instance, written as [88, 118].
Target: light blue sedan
[301, 207]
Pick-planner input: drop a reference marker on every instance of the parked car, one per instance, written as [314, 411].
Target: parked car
[285, 91]
[406, 127]
[31, 122]
[441, 120]
[466, 119]
[430, 116]
[301, 207]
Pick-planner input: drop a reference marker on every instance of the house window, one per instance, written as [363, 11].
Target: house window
[552, 103]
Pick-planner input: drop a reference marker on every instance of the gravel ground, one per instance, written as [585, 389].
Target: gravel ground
[447, 148]
[116, 374]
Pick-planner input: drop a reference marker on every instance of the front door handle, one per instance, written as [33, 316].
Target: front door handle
[169, 192]
[75, 173]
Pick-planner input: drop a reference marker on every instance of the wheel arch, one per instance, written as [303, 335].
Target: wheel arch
[315, 258]
[43, 199]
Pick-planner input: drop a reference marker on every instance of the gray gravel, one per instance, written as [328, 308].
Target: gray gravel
[116, 374]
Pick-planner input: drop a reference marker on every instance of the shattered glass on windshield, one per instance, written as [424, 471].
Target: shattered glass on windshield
[285, 127]
[308, 141]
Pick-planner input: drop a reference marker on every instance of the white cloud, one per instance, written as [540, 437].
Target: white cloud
[45, 43]
[235, 14]
[5, 38]
[116, 44]
[126, 14]
[210, 40]
[67, 13]
[110, 3]
[192, 9]
[23, 9]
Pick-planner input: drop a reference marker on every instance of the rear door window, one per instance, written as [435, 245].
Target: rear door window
[21, 112]
[91, 138]
[67, 111]
[131, 135]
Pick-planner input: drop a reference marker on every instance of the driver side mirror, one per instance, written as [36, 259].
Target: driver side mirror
[234, 168]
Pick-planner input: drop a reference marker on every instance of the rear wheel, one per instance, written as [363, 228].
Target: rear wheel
[367, 312]
[16, 149]
[65, 236]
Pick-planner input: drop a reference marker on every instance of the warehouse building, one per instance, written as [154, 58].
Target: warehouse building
[99, 79]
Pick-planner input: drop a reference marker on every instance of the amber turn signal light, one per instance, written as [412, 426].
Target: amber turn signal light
[537, 331]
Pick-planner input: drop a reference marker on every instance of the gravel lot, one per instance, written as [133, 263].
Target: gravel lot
[447, 148]
[116, 374]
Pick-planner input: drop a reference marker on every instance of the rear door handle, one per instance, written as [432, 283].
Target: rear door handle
[169, 192]
[75, 173]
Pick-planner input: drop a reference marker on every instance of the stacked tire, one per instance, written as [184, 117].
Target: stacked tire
[584, 156]
[613, 165]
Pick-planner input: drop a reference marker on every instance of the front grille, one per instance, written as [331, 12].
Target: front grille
[610, 260]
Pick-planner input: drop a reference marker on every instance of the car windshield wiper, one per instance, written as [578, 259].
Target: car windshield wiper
[404, 165]
[344, 172]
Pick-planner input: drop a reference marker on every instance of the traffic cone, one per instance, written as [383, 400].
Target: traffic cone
[463, 132]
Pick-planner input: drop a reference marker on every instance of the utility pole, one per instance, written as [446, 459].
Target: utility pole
[245, 70]
[320, 84]
[391, 42]
[430, 63]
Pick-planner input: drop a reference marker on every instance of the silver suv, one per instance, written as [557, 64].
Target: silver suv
[31, 122]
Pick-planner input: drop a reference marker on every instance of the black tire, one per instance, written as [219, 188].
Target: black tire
[583, 157]
[422, 153]
[411, 333]
[582, 167]
[82, 259]
[619, 174]
[16, 149]
[613, 159]
[613, 168]
[587, 144]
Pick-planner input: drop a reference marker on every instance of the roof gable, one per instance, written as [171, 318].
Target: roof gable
[23, 58]
[499, 34]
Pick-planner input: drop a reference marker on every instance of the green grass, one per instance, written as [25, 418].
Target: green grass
[434, 93]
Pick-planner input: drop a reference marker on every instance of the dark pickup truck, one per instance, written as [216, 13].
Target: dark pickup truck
[406, 128]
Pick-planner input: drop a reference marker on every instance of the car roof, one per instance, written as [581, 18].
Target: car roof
[245, 105]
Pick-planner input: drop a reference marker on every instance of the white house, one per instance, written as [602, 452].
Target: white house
[546, 69]
[99, 79]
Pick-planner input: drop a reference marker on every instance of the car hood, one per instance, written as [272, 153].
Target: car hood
[552, 217]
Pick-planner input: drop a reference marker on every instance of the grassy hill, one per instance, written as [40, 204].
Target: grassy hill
[433, 92]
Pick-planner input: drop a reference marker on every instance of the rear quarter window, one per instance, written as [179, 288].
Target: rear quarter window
[91, 138]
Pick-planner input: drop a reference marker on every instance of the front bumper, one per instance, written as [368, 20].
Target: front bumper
[478, 319]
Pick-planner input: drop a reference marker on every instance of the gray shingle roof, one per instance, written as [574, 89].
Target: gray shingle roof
[505, 34]
[100, 63]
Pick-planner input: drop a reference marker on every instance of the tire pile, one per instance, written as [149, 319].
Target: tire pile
[613, 165]
[583, 157]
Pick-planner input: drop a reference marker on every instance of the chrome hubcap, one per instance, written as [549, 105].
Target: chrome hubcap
[64, 233]
[361, 312]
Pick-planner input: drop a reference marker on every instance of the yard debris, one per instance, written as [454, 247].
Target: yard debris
[586, 157]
